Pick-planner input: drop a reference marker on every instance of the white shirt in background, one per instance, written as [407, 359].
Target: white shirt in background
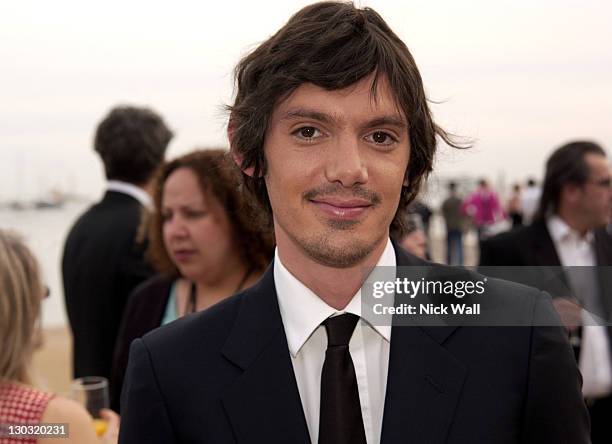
[530, 200]
[131, 190]
[594, 362]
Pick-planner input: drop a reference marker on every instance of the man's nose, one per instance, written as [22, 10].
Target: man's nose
[345, 162]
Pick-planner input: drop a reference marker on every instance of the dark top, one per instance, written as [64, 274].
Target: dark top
[451, 210]
[532, 245]
[102, 263]
[143, 313]
[225, 375]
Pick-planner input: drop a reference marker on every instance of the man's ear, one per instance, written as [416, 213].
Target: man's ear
[236, 155]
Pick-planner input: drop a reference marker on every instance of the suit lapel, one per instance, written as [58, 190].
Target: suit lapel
[603, 255]
[264, 402]
[544, 250]
[550, 275]
[603, 247]
[423, 386]
[424, 381]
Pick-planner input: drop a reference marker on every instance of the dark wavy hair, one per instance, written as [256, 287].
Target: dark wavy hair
[332, 45]
[216, 175]
[132, 143]
[566, 165]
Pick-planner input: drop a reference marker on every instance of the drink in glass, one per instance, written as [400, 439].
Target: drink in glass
[92, 393]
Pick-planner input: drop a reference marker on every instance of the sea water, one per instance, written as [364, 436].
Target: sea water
[44, 231]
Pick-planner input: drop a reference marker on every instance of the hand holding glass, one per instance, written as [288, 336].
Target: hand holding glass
[92, 393]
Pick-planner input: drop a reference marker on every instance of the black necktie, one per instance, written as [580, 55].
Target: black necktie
[340, 421]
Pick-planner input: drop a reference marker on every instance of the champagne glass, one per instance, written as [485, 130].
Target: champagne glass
[92, 393]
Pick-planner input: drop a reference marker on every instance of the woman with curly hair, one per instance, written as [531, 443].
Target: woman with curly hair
[203, 241]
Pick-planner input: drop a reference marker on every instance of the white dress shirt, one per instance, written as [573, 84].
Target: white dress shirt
[131, 190]
[576, 250]
[529, 203]
[302, 312]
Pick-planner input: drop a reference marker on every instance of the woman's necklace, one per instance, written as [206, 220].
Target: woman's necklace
[193, 292]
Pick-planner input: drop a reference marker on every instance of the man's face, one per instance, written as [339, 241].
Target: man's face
[335, 166]
[595, 202]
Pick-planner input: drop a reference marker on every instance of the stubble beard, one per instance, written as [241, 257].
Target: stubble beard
[322, 249]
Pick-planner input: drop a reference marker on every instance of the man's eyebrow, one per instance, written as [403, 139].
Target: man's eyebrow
[304, 113]
[296, 113]
[392, 120]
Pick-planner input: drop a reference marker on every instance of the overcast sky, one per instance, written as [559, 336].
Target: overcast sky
[519, 77]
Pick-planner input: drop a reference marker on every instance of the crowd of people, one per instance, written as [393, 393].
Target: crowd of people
[219, 291]
[481, 210]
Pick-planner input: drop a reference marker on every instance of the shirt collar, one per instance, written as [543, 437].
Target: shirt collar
[560, 231]
[302, 311]
[131, 190]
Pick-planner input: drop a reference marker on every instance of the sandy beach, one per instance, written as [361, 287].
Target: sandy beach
[52, 363]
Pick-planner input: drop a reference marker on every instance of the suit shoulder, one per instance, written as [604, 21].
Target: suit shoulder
[501, 289]
[503, 302]
[81, 221]
[510, 238]
[508, 248]
[210, 327]
[514, 304]
[118, 211]
[512, 291]
[104, 225]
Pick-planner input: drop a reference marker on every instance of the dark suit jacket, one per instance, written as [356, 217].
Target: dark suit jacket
[102, 264]
[532, 246]
[144, 312]
[224, 375]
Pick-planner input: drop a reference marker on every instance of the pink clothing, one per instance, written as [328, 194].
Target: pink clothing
[483, 207]
[20, 404]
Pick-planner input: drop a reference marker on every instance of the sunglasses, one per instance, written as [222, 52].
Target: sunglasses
[604, 183]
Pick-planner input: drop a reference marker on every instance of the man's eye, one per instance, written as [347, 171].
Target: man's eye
[307, 132]
[381, 138]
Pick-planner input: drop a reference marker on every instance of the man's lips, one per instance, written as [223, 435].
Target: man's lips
[344, 203]
[342, 209]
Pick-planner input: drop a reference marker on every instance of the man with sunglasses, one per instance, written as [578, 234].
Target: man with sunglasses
[569, 231]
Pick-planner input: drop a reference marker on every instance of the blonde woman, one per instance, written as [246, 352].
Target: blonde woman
[21, 293]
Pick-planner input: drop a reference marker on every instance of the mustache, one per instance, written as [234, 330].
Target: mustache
[337, 190]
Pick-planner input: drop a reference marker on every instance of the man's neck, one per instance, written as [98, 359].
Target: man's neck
[142, 193]
[335, 286]
[573, 221]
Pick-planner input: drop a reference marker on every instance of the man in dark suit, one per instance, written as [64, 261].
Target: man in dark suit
[569, 230]
[332, 131]
[103, 258]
